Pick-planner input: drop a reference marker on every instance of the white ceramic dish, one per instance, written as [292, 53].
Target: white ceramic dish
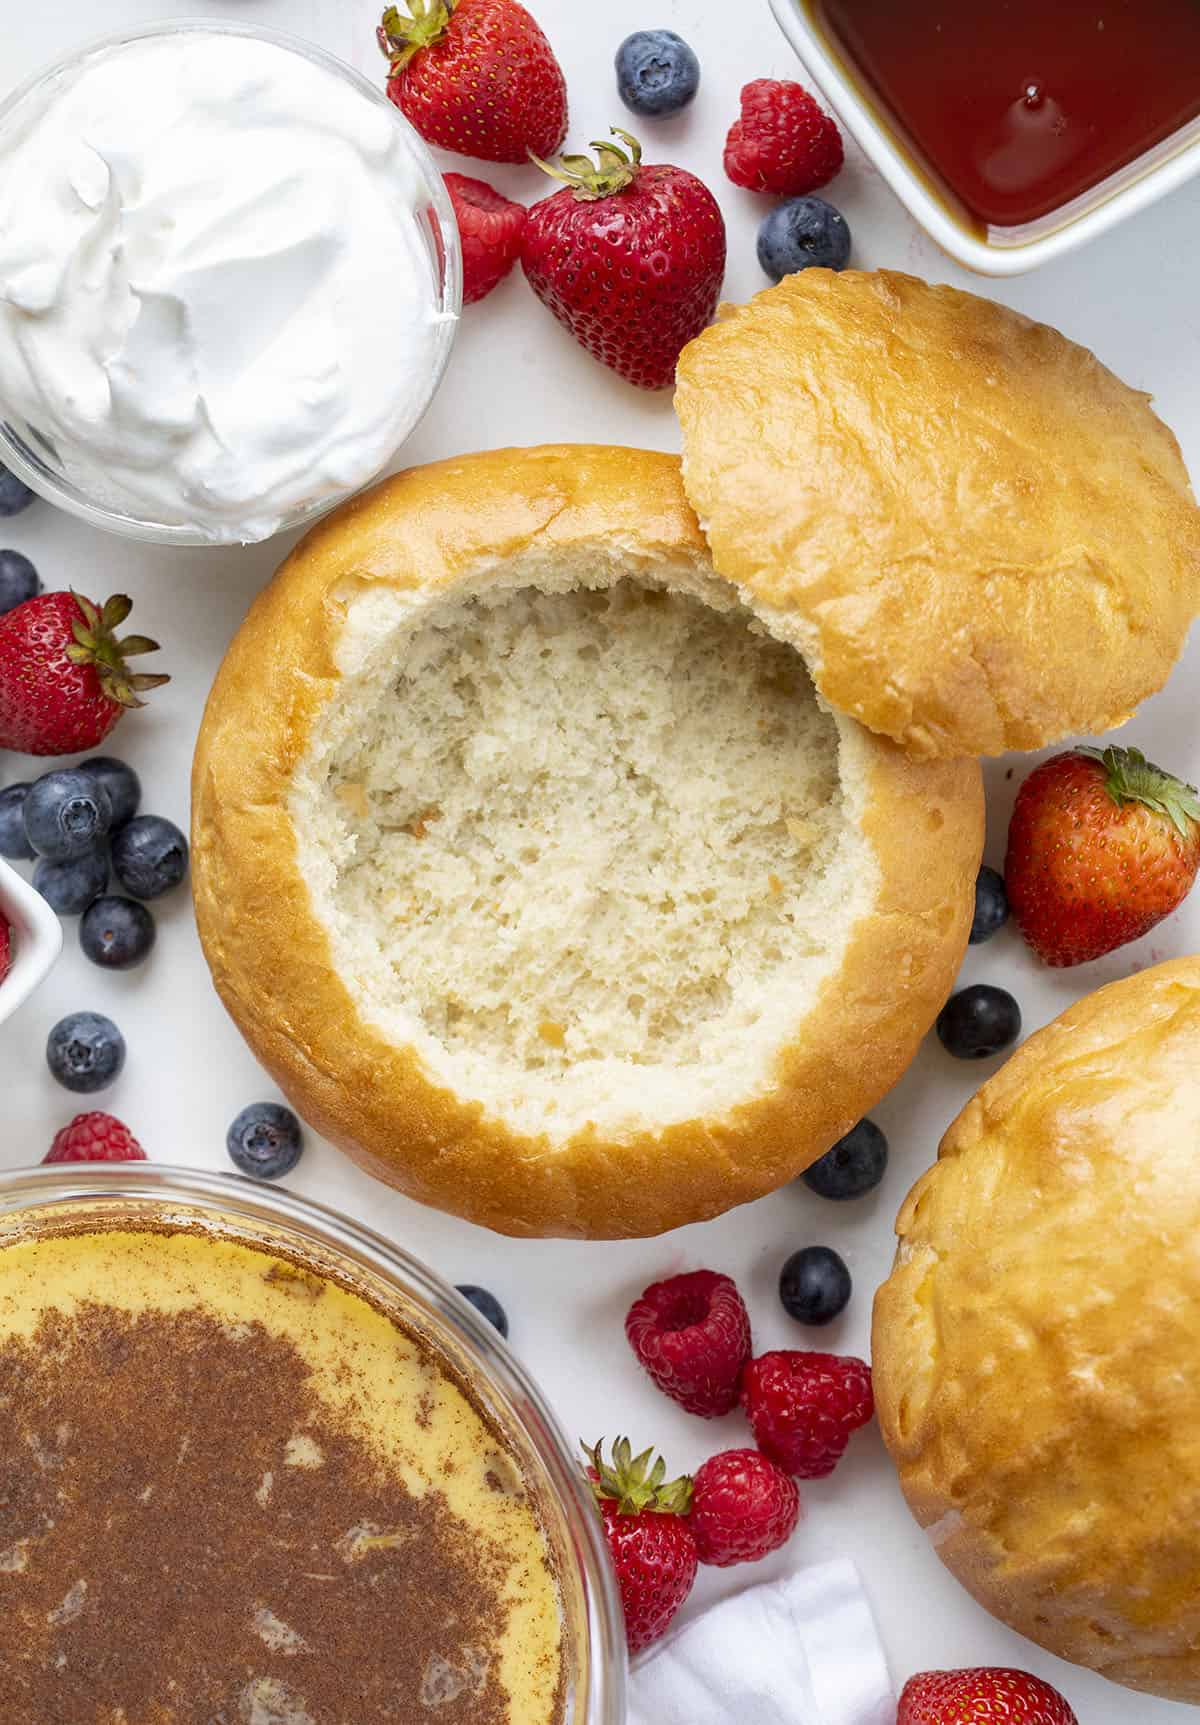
[1001, 251]
[36, 935]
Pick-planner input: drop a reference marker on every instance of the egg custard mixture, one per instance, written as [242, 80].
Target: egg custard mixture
[234, 1492]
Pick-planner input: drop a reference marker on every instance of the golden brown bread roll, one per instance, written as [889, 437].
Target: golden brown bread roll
[980, 538]
[534, 870]
[1036, 1357]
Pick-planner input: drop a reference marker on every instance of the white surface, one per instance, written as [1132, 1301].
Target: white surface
[816, 1658]
[1173, 167]
[516, 377]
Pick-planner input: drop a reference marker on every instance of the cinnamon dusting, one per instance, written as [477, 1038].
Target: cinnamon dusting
[161, 1563]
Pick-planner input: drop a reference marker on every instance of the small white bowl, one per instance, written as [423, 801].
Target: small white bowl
[37, 939]
[1003, 251]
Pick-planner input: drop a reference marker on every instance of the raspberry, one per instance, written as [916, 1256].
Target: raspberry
[783, 141]
[692, 1334]
[803, 1407]
[490, 228]
[95, 1138]
[743, 1507]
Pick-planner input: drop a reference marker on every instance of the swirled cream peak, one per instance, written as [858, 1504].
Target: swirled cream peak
[215, 300]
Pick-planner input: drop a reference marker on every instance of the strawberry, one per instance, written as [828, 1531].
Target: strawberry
[1102, 845]
[476, 76]
[803, 1407]
[490, 228]
[5, 948]
[783, 143]
[984, 1696]
[692, 1334]
[653, 1551]
[63, 678]
[629, 258]
[743, 1507]
[95, 1138]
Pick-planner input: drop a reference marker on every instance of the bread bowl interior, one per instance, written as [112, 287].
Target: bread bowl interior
[532, 866]
[582, 838]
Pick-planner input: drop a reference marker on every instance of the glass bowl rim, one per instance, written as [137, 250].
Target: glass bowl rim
[70, 498]
[27, 1188]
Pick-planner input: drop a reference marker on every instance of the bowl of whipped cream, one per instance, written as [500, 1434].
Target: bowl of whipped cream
[230, 280]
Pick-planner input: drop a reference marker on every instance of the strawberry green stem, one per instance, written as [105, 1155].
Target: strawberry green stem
[636, 1483]
[403, 34]
[95, 643]
[1131, 778]
[613, 170]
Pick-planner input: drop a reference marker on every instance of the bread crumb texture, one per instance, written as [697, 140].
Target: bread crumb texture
[582, 841]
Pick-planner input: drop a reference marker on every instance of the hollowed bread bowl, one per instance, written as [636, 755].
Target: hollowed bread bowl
[532, 866]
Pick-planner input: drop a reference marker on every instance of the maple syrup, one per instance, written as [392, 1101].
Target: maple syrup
[1017, 107]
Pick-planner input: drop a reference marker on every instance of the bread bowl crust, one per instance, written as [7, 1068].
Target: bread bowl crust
[271, 959]
[1034, 1346]
[990, 539]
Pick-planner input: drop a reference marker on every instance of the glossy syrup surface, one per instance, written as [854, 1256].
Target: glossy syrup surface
[1020, 106]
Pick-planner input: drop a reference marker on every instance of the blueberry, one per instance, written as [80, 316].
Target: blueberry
[814, 1285]
[487, 1305]
[855, 1165]
[657, 73]
[14, 840]
[69, 887]
[85, 1052]
[18, 580]
[122, 784]
[991, 906]
[978, 1021]
[15, 495]
[803, 232]
[116, 933]
[149, 856]
[66, 813]
[265, 1141]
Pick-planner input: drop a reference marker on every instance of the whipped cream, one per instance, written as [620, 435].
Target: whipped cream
[216, 304]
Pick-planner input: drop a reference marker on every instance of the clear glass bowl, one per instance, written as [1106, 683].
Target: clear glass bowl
[44, 1200]
[30, 453]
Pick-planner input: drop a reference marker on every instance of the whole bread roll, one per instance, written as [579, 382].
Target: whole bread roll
[980, 539]
[531, 865]
[1035, 1347]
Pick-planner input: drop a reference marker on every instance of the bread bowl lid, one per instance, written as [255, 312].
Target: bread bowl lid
[979, 537]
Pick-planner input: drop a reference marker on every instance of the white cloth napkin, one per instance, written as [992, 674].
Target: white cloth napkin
[803, 1650]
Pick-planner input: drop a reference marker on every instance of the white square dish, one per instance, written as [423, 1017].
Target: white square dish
[37, 939]
[991, 251]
